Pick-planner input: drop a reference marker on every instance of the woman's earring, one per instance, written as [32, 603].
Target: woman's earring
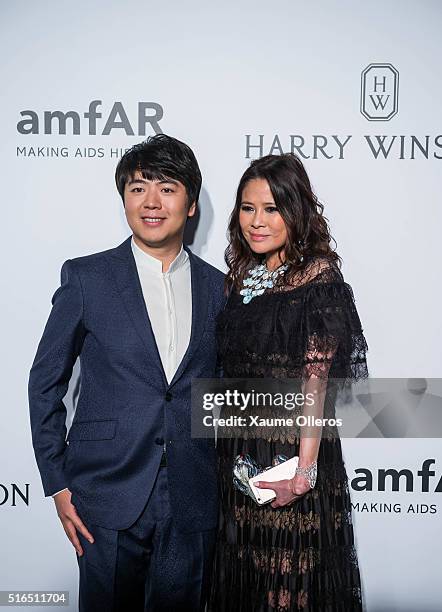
[300, 247]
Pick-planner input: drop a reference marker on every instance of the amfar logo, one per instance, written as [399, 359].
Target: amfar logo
[59, 122]
[379, 92]
[391, 478]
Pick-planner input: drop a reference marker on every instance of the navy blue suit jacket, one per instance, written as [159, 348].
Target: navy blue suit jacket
[126, 408]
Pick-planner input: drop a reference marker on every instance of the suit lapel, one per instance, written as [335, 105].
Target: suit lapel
[200, 298]
[125, 274]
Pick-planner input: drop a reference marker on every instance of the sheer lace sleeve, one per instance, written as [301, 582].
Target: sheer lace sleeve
[334, 344]
[334, 348]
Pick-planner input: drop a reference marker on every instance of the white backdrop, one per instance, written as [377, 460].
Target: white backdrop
[225, 76]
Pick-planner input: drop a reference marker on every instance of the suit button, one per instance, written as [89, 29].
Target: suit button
[159, 441]
[168, 396]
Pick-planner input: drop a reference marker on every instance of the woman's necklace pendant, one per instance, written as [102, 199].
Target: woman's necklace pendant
[259, 279]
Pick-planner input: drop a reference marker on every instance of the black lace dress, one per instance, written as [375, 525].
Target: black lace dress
[301, 556]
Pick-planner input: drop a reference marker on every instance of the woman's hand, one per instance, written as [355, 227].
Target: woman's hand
[287, 491]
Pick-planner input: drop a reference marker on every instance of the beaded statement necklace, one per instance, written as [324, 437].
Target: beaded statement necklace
[258, 280]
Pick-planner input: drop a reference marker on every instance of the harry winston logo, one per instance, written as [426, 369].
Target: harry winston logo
[379, 92]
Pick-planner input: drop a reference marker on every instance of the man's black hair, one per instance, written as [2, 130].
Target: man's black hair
[161, 157]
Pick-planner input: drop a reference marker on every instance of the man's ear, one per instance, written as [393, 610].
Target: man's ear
[192, 210]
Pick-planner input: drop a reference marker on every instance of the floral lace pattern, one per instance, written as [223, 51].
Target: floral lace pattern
[302, 556]
[308, 327]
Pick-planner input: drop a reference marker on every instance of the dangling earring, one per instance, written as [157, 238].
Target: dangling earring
[300, 247]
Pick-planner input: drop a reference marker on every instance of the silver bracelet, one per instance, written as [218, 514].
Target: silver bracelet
[310, 473]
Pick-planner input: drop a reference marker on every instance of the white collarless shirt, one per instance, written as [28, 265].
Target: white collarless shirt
[168, 298]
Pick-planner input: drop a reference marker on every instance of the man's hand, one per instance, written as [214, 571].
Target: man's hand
[70, 520]
[287, 491]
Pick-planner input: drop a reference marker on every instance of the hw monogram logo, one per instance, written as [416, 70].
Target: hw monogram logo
[379, 92]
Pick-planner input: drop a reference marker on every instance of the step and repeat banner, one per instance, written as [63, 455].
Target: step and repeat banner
[354, 90]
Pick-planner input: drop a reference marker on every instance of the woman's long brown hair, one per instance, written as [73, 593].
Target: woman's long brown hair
[308, 234]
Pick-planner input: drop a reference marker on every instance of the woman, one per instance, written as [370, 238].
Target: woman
[289, 315]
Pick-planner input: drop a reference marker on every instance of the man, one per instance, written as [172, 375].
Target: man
[135, 493]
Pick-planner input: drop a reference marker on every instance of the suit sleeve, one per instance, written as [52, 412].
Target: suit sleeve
[51, 371]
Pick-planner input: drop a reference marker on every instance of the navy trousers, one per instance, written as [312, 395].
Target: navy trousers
[149, 567]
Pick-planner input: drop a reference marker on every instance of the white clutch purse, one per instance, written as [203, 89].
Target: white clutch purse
[283, 471]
